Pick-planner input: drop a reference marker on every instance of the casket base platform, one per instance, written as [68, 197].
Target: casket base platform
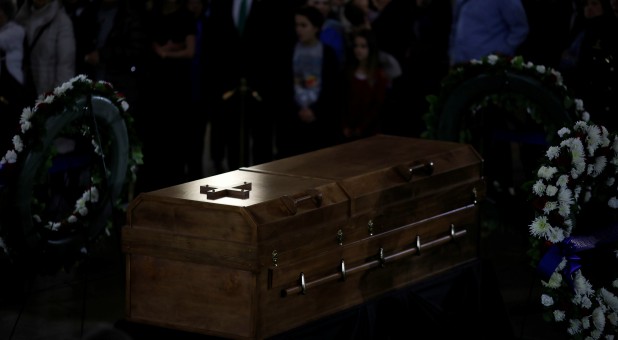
[262, 250]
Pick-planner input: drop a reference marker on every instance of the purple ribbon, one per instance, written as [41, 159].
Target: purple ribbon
[569, 248]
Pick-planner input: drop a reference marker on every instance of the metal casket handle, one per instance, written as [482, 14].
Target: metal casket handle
[291, 203]
[409, 171]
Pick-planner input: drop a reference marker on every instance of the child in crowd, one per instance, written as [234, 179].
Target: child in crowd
[367, 86]
[317, 95]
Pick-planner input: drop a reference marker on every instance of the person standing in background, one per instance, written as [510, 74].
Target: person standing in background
[12, 100]
[119, 47]
[49, 34]
[197, 129]
[333, 32]
[366, 88]
[167, 91]
[84, 18]
[484, 27]
[314, 118]
[590, 64]
[246, 53]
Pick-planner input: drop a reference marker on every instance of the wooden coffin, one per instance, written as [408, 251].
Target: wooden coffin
[261, 250]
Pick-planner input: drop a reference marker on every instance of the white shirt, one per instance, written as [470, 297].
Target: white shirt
[12, 43]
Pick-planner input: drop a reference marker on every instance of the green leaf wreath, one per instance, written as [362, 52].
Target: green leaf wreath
[500, 81]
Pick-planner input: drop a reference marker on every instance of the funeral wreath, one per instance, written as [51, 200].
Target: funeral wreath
[575, 197]
[61, 167]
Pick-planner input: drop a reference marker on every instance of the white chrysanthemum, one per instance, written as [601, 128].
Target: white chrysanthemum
[26, 114]
[124, 105]
[564, 131]
[565, 199]
[53, 226]
[579, 104]
[553, 152]
[82, 211]
[492, 59]
[529, 65]
[18, 144]
[613, 318]
[550, 206]
[613, 203]
[48, 99]
[605, 142]
[10, 157]
[598, 318]
[615, 282]
[586, 116]
[610, 181]
[586, 322]
[581, 285]
[546, 172]
[575, 326]
[551, 190]
[554, 282]
[473, 62]
[559, 315]
[586, 302]
[540, 226]
[72, 219]
[580, 125]
[25, 126]
[577, 192]
[539, 188]
[60, 90]
[595, 334]
[555, 235]
[610, 299]
[541, 69]
[547, 300]
[593, 138]
[563, 180]
[599, 166]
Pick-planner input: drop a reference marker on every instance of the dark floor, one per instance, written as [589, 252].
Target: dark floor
[75, 304]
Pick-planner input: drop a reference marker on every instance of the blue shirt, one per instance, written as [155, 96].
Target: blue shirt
[483, 27]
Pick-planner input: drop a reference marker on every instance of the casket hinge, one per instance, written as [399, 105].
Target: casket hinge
[275, 257]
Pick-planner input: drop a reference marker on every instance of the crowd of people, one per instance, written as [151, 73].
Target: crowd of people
[278, 78]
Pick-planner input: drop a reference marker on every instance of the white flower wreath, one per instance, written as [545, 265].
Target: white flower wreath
[32, 122]
[582, 168]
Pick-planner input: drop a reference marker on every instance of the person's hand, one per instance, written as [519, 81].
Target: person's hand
[306, 115]
[92, 58]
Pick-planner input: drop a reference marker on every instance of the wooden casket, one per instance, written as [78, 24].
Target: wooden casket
[261, 250]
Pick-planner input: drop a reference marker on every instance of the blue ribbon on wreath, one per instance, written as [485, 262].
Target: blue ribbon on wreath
[569, 248]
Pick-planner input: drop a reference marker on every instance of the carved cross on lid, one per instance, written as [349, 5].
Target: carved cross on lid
[238, 191]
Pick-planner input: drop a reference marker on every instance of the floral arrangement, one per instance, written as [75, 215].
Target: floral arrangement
[30, 128]
[575, 200]
[501, 65]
